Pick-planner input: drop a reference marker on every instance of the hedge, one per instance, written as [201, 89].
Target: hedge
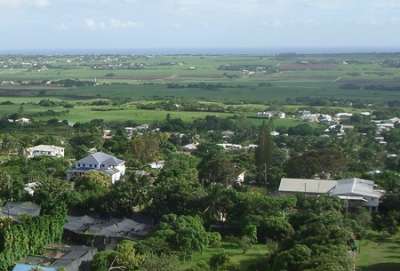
[18, 240]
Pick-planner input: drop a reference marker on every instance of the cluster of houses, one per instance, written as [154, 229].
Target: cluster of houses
[271, 114]
[383, 126]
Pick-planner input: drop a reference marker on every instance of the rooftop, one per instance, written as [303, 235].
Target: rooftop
[126, 228]
[16, 209]
[306, 185]
[101, 158]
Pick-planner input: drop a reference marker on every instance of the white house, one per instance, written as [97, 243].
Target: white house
[44, 150]
[190, 147]
[157, 164]
[99, 161]
[230, 147]
[343, 116]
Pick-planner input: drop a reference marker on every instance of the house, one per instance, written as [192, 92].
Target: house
[267, 115]
[107, 134]
[20, 121]
[157, 164]
[99, 161]
[275, 133]
[190, 147]
[353, 191]
[14, 210]
[44, 150]
[308, 116]
[343, 116]
[270, 114]
[230, 147]
[306, 186]
[104, 233]
[227, 134]
[130, 131]
[30, 188]
[59, 257]
[240, 178]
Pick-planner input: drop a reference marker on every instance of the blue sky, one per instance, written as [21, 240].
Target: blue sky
[109, 24]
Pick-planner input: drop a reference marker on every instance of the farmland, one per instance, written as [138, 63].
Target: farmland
[245, 83]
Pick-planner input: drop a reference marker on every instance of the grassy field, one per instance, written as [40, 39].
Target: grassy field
[379, 255]
[256, 253]
[151, 81]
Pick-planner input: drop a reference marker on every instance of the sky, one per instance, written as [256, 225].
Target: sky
[130, 24]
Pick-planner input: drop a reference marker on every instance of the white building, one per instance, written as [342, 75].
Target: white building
[270, 114]
[190, 147]
[343, 116]
[44, 150]
[157, 164]
[351, 190]
[358, 190]
[99, 161]
[230, 147]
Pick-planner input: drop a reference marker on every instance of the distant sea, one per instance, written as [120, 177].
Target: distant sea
[206, 51]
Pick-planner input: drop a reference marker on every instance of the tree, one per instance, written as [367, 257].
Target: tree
[185, 234]
[124, 257]
[127, 196]
[51, 194]
[217, 168]
[176, 189]
[91, 188]
[325, 162]
[11, 188]
[218, 261]
[153, 262]
[263, 154]
[146, 148]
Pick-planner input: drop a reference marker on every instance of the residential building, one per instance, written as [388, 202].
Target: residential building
[103, 233]
[99, 161]
[353, 190]
[190, 147]
[59, 257]
[44, 150]
[230, 147]
[14, 210]
[306, 186]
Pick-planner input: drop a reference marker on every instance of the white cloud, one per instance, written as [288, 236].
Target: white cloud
[62, 27]
[110, 24]
[24, 3]
[119, 24]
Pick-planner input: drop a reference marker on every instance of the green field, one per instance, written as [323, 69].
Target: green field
[319, 76]
[379, 255]
[243, 260]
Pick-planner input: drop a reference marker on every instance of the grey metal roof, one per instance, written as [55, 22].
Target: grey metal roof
[99, 158]
[115, 227]
[16, 209]
[355, 186]
[306, 185]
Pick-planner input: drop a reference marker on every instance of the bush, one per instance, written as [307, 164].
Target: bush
[214, 239]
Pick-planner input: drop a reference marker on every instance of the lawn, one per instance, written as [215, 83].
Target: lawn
[379, 255]
[256, 253]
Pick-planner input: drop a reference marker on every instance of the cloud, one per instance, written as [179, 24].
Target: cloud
[109, 24]
[24, 3]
